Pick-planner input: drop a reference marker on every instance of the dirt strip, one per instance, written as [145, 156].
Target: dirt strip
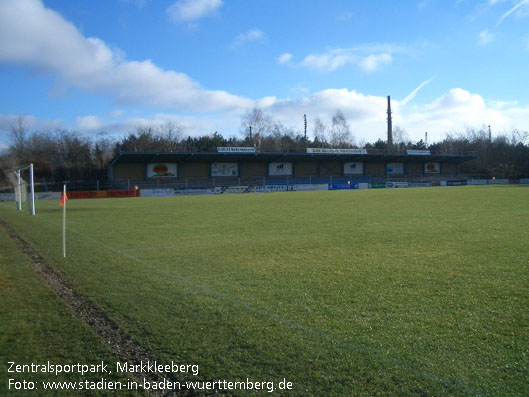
[120, 344]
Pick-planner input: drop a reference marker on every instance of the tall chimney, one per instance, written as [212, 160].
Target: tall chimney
[390, 128]
[305, 124]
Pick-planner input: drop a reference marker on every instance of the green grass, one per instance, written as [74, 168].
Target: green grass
[37, 327]
[378, 292]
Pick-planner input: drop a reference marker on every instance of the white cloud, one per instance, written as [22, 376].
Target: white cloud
[369, 57]
[485, 37]
[88, 123]
[48, 43]
[373, 62]
[251, 35]
[451, 112]
[192, 10]
[284, 58]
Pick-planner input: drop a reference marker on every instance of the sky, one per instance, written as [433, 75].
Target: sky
[107, 67]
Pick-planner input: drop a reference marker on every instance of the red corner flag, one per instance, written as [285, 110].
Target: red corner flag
[64, 198]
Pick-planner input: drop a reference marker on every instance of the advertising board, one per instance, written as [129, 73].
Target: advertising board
[224, 169]
[395, 168]
[280, 169]
[432, 167]
[353, 168]
[162, 170]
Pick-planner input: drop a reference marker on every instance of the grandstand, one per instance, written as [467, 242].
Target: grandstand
[202, 170]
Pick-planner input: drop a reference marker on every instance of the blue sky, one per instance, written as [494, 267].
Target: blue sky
[111, 66]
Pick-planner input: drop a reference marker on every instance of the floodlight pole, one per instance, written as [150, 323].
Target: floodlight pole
[18, 192]
[31, 182]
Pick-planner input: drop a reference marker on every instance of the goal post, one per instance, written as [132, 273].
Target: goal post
[20, 186]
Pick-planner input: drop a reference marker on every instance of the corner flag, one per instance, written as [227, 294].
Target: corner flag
[64, 198]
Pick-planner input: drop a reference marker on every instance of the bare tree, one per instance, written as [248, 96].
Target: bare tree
[320, 131]
[400, 135]
[18, 133]
[260, 122]
[340, 132]
[171, 134]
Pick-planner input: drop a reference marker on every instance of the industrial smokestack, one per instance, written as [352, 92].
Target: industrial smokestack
[390, 128]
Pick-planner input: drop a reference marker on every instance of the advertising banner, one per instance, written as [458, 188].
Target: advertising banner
[236, 150]
[224, 169]
[309, 188]
[395, 168]
[280, 169]
[432, 167]
[396, 184]
[418, 152]
[271, 188]
[343, 186]
[353, 168]
[162, 170]
[477, 182]
[166, 192]
[335, 151]
[456, 183]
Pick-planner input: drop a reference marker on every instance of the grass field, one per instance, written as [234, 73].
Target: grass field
[378, 292]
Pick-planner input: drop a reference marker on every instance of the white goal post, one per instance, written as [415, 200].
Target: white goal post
[14, 177]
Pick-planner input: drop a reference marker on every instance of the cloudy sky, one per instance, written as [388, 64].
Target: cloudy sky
[98, 65]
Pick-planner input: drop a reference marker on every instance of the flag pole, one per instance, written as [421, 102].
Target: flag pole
[64, 221]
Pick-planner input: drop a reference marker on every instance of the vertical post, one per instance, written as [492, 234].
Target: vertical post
[97, 185]
[32, 189]
[64, 221]
[18, 192]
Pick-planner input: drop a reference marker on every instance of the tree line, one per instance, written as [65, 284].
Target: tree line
[65, 155]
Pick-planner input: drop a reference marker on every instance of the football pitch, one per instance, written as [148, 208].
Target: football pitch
[420, 291]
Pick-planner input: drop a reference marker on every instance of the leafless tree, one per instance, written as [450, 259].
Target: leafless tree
[340, 132]
[171, 134]
[18, 133]
[260, 121]
[320, 131]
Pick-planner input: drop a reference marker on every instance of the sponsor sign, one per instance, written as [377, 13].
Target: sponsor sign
[236, 189]
[157, 192]
[193, 191]
[419, 184]
[48, 196]
[524, 181]
[162, 170]
[309, 188]
[477, 182]
[456, 183]
[499, 181]
[7, 196]
[418, 152]
[432, 167]
[279, 169]
[271, 188]
[396, 184]
[395, 168]
[236, 150]
[353, 168]
[343, 186]
[224, 169]
[335, 151]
